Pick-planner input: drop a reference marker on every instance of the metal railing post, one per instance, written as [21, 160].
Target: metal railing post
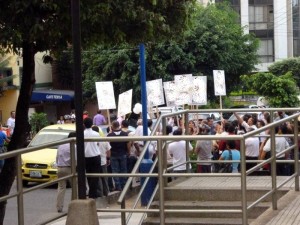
[123, 214]
[273, 168]
[186, 125]
[73, 170]
[296, 154]
[161, 184]
[164, 159]
[20, 191]
[243, 182]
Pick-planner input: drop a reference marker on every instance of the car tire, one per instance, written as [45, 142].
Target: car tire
[25, 183]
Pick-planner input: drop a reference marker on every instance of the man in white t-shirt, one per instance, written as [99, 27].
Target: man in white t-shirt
[104, 147]
[11, 122]
[281, 145]
[177, 150]
[92, 158]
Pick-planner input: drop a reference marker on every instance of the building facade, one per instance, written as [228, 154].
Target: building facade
[275, 22]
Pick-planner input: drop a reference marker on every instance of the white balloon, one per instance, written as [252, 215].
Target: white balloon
[136, 111]
[137, 108]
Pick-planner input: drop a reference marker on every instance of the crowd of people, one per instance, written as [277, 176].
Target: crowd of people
[120, 157]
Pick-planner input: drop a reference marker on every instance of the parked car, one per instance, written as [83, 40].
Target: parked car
[203, 116]
[241, 114]
[166, 109]
[40, 166]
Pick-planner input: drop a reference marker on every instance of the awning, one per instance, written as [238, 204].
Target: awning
[52, 95]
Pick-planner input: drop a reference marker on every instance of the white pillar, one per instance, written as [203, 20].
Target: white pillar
[290, 37]
[245, 15]
[280, 30]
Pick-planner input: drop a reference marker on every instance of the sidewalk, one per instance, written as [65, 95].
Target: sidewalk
[109, 218]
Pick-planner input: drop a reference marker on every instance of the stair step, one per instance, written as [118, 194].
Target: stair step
[197, 194]
[195, 221]
[253, 213]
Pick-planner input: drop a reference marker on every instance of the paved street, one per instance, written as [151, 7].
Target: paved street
[40, 205]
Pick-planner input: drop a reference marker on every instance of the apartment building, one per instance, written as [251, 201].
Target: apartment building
[275, 23]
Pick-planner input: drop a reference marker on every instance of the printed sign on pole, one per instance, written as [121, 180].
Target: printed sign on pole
[124, 104]
[184, 86]
[199, 96]
[155, 93]
[105, 95]
[219, 82]
[170, 93]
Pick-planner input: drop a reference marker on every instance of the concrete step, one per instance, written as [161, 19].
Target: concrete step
[194, 221]
[217, 194]
[253, 213]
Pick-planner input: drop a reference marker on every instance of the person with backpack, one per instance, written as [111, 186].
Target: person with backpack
[231, 154]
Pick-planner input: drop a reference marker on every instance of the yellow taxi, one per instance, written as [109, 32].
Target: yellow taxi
[40, 165]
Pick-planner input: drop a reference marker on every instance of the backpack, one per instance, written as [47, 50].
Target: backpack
[225, 167]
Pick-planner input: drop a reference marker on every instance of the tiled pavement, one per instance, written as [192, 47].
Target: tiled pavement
[288, 212]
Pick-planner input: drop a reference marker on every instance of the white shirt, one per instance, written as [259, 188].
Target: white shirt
[91, 149]
[252, 146]
[104, 148]
[280, 145]
[11, 124]
[177, 150]
[247, 126]
[63, 157]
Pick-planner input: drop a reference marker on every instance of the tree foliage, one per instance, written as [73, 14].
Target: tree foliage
[280, 91]
[215, 41]
[29, 26]
[38, 121]
[288, 65]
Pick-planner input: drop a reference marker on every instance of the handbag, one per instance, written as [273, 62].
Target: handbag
[225, 167]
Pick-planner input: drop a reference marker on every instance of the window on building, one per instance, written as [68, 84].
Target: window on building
[6, 72]
[261, 17]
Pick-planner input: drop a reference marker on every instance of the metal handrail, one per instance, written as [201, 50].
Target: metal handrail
[163, 173]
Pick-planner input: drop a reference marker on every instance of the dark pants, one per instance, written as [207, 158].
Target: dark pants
[131, 160]
[203, 168]
[282, 168]
[93, 165]
[249, 165]
[110, 179]
[103, 183]
[119, 165]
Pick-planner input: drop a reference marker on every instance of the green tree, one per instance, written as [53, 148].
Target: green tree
[215, 41]
[280, 91]
[36, 25]
[38, 121]
[288, 65]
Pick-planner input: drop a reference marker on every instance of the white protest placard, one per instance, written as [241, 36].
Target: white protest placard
[219, 82]
[199, 96]
[184, 86]
[124, 103]
[105, 95]
[155, 92]
[170, 93]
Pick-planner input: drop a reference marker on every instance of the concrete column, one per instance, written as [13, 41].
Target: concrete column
[280, 30]
[245, 15]
[290, 52]
[82, 211]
